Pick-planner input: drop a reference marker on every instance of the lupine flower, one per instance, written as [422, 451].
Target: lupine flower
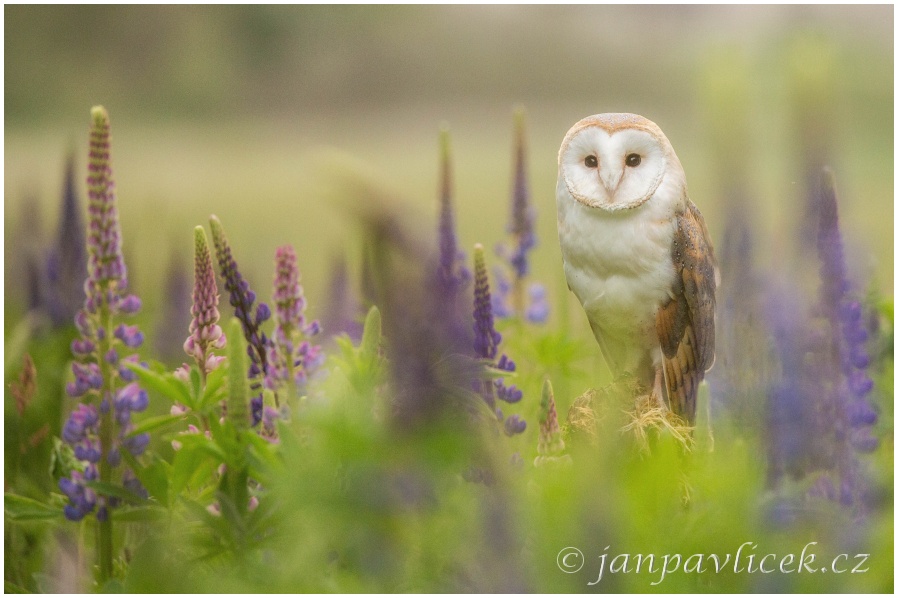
[538, 304]
[67, 261]
[486, 338]
[796, 431]
[453, 274]
[291, 357]
[551, 445]
[176, 314]
[205, 333]
[820, 416]
[82, 500]
[510, 297]
[343, 311]
[427, 373]
[99, 387]
[501, 297]
[242, 299]
[848, 338]
[521, 224]
[486, 347]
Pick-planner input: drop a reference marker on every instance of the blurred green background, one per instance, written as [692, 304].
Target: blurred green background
[251, 113]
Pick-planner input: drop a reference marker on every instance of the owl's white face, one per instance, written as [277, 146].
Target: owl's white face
[614, 161]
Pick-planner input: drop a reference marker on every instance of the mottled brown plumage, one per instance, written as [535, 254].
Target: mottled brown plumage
[685, 323]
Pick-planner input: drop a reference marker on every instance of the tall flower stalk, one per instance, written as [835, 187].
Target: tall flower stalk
[291, 357]
[848, 358]
[486, 348]
[242, 299]
[205, 334]
[67, 261]
[175, 316]
[550, 448]
[99, 428]
[514, 296]
[453, 275]
[820, 414]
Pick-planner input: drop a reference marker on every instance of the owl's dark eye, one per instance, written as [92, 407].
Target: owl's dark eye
[591, 161]
[633, 160]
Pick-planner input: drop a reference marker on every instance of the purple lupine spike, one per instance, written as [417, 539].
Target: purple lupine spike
[205, 333]
[522, 216]
[67, 261]
[242, 298]
[486, 343]
[102, 420]
[453, 274]
[538, 309]
[514, 425]
[176, 313]
[486, 338]
[511, 297]
[343, 310]
[846, 317]
[820, 414]
[291, 357]
[106, 264]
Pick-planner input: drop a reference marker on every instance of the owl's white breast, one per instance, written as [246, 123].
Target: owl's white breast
[619, 266]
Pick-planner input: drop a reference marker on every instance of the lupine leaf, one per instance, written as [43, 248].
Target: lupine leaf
[371, 334]
[109, 489]
[188, 465]
[153, 423]
[165, 384]
[142, 513]
[212, 392]
[21, 509]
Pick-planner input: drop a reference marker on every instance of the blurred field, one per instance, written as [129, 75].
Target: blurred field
[375, 84]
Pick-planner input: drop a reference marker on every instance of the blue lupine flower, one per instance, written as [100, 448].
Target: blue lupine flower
[105, 301]
[242, 299]
[486, 343]
[67, 261]
[453, 274]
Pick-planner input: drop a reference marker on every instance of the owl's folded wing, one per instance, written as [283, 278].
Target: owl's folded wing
[685, 324]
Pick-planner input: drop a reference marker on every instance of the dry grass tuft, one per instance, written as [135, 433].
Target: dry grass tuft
[648, 417]
[642, 417]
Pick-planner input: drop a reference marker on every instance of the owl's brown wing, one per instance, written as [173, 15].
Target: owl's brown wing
[685, 323]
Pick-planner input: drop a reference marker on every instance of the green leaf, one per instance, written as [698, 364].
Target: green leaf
[152, 423]
[21, 509]
[108, 489]
[165, 384]
[372, 333]
[155, 478]
[11, 588]
[142, 513]
[189, 464]
[212, 393]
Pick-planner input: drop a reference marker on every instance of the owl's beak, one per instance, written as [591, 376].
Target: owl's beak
[611, 181]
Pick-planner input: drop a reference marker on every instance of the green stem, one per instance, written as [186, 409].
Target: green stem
[104, 528]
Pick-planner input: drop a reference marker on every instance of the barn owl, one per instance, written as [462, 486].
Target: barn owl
[637, 255]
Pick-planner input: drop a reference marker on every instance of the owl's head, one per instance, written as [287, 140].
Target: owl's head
[617, 161]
